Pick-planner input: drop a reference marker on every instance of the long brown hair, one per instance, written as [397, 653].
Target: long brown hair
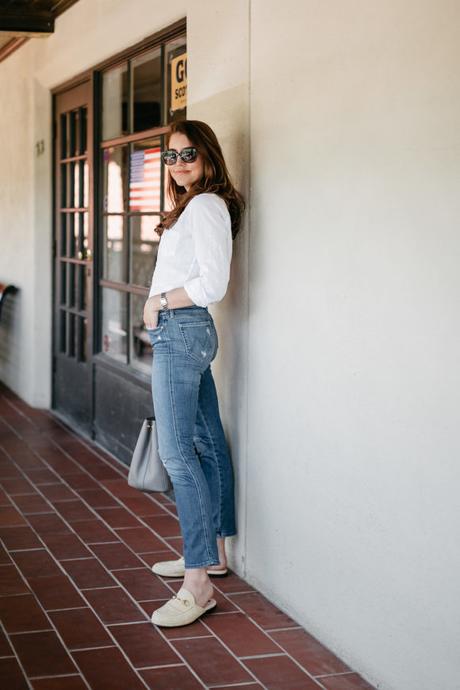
[215, 179]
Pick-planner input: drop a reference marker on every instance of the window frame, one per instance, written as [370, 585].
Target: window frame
[161, 39]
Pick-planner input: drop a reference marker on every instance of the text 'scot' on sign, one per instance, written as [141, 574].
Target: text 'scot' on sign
[179, 82]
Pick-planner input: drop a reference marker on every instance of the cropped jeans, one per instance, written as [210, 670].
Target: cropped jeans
[191, 439]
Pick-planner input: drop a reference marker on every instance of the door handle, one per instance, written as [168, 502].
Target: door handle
[87, 254]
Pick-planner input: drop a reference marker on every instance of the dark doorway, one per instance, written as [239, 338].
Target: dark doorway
[73, 257]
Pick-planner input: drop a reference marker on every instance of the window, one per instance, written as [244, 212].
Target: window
[141, 96]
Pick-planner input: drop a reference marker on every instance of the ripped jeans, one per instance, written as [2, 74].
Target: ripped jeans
[191, 439]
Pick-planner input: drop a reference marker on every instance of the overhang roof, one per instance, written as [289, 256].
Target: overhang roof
[21, 20]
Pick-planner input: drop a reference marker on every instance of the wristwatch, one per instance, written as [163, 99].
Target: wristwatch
[163, 302]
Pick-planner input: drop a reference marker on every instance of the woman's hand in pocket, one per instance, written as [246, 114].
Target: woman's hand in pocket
[150, 314]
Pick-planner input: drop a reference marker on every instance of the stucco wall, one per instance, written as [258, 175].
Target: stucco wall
[16, 220]
[353, 452]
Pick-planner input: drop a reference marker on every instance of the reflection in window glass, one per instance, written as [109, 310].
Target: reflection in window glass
[82, 344]
[71, 234]
[145, 176]
[63, 238]
[74, 226]
[82, 286]
[79, 184]
[81, 234]
[144, 248]
[64, 142]
[114, 265]
[85, 184]
[146, 75]
[83, 123]
[176, 79]
[85, 230]
[77, 187]
[64, 173]
[70, 302]
[114, 324]
[141, 349]
[115, 102]
[115, 176]
[73, 133]
[71, 186]
[70, 335]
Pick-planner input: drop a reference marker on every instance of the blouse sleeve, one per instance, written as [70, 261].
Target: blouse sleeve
[210, 227]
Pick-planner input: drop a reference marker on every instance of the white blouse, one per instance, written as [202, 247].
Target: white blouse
[195, 253]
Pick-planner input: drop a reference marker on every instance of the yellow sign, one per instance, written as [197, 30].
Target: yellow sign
[179, 82]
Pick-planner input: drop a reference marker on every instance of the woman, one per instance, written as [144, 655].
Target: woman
[192, 271]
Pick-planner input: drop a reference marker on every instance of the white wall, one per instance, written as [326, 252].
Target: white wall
[16, 221]
[353, 456]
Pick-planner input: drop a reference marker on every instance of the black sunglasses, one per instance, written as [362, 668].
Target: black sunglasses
[187, 155]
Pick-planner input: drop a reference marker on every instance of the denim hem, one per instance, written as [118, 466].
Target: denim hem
[202, 565]
[225, 534]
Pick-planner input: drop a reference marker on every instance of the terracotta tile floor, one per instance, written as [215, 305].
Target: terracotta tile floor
[76, 589]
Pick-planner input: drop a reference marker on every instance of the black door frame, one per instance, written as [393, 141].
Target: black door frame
[68, 371]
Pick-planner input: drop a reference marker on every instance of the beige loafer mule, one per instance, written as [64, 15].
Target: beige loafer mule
[181, 609]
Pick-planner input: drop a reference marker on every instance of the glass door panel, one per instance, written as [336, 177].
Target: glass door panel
[72, 382]
[145, 176]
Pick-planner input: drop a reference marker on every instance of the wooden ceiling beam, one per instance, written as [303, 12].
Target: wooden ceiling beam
[11, 46]
[26, 22]
[60, 6]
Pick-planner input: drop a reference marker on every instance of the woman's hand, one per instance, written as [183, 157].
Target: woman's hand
[177, 298]
[150, 313]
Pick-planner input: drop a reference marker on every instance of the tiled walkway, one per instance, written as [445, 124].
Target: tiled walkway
[77, 590]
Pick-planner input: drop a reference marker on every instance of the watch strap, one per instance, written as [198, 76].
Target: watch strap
[163, 301]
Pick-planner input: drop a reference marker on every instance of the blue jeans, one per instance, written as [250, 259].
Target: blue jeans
[191, 439]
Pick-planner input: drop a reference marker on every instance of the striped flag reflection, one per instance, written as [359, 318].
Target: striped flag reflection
[145, 180]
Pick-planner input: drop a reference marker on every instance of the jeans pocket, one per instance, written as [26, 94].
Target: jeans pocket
[154, 334]
[199, 341]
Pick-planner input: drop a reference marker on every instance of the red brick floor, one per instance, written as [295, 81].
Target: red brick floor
[76, 589]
